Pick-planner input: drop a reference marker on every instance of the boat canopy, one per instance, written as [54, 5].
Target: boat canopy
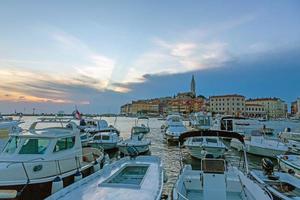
[211, 133]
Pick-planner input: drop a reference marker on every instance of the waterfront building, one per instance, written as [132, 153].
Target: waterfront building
[254, 110]
[232, 104]
[274, 107]
[298, 107]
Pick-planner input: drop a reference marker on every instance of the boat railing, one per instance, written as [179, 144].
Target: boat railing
[37, 164]
[180, 195]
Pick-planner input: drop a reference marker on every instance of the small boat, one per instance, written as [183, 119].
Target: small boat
[216, 179]
[8, 126]
[200, 147]
[45, 159]
[136, 145]
[287, 134]
[128, 178]
[281, 185]
[240, 125]
[141, 127]
[201, 120]
[93, 126]
[289, 164]
[259, 145]
[107, 140]
[174, 128]
[266, 131]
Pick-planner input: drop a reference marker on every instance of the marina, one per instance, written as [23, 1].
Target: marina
[171, 158]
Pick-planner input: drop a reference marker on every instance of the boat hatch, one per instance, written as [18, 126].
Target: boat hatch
[213, 166]
[285, 188]
[129, 176]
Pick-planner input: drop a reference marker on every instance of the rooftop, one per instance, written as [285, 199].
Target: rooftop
[228, 95]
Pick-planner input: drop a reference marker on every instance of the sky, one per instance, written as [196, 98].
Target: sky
[100, 54]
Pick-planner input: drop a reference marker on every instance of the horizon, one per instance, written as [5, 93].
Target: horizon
[99, 55]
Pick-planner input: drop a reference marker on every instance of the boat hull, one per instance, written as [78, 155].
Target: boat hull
[287, 167]
[105, 146]
[257, 150]
[140, 149]
[39, 191]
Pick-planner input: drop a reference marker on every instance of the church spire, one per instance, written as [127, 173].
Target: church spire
[193, 86]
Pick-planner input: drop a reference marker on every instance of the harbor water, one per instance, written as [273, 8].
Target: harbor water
[169, 154]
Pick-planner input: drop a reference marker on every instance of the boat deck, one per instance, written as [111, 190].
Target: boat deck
[121, 180]
[198, 195]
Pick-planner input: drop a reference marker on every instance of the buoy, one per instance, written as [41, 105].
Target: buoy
[96, 166]
[77, 176]
[57, 184]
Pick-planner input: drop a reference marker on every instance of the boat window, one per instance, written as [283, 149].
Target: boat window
[34, 146]
[64, 143]
[105, 137]
[195, 139]
[211, 140]
[12, 144]
[97, 137]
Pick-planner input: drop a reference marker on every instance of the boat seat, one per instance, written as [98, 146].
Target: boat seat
[209, 165]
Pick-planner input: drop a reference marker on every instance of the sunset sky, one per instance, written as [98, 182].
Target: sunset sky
[99, 55]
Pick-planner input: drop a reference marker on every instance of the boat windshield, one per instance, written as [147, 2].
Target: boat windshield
[12, 144]
[34, 146]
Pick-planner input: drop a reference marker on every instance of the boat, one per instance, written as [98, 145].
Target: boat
[138, 177]
[141, 127]
[200, 147]
[287, 134]
[217, 178]
[200, 120]
[289, 164]
[136, 144]
[7, 126]
[106, 140]
[281, 185]
[266, 131]
[259, 145]
[93, 126]
[174, 128]
[45, 160]
[240, 125]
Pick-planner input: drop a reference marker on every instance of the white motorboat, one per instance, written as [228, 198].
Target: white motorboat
[8, 126]
[140, 126]
[290, 164]
[281, 185]
[287, 134]
[259, 145]
[107, 140]
[136, 145]
[128, 178]
[201, 120]
[175, 128]
[93, 126]
[216, 179]
[45, 159]
[200, 147]
[240, 125]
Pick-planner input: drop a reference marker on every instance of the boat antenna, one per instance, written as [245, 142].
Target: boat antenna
[115, 120]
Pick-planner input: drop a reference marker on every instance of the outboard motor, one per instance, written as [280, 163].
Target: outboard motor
[267, 166]
[287, 129]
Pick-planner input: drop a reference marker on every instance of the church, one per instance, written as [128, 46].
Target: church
[191, 94]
